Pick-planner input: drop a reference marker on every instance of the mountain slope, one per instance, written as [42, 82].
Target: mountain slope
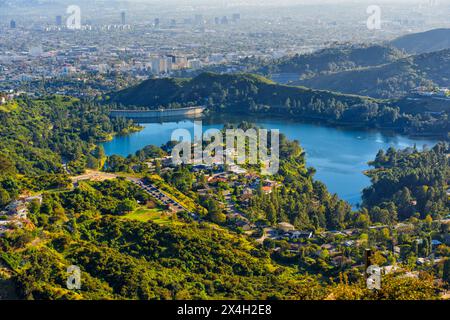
[233, 91]
[429, 41]
[333, 60]
[393, 80]
[255, 95]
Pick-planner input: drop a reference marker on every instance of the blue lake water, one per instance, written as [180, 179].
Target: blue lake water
[339, 155]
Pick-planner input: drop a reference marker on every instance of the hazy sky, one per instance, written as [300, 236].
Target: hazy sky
[275, 2]
[283, 3]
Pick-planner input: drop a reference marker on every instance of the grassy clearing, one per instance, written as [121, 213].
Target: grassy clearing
[143, 214]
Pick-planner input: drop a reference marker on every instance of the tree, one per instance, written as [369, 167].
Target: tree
[99, 152]
[6, 166]
[4, 197]
[404, 201]
[271, 214]
[125, 206]
[92, 162]
[218, 217]
[446, 271]
[363, 220]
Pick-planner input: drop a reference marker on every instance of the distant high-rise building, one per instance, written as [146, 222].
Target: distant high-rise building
[224, 20]
[12, 24]
[123, 17]
[181, 62]
[156, 65]
[173, 22]
[171, 57]
[236, 17]
[194, 64]
[217, 20]
[168, 64]
[161, 65]
[59, 21]
[157, 22]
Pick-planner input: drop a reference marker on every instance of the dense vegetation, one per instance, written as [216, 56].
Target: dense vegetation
[129, 259]
[122, 259]
[44, 139]
[41, 134]
[407, 183]
[251, 94]
[332, 60]
[392, 80]
[300, 200]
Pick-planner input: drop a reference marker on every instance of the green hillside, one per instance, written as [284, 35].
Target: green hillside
[243, 92]
[393, 80]
[333, 60]
[256, 95]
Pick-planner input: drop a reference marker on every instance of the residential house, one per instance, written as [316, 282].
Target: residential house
[286, 227]
[300, 234]
[266, 189]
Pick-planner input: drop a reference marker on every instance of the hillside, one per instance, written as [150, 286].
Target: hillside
[99, 227]
[245, 92]
[39, 135]
[123, 259]
[252, 94]
[429, 41]
[333, 60]
[412, 181]
[393, 80]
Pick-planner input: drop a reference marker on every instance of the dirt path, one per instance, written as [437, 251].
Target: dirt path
[94, 176]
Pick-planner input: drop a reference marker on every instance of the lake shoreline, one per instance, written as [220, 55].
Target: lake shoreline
[139, 116]
[339, 154]
[331, 124]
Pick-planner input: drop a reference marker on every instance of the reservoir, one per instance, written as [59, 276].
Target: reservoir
[339, 155]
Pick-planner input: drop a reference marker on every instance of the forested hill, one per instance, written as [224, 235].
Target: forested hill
[408, 183]
[393, 80]
[333, 60]
[37, 136]
[243, 92]
[256, 95]
[353, 57]
[432, 40]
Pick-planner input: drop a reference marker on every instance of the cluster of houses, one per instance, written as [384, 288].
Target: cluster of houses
[8, 96]
[15, 215]
[164, 161]
[250, 183]
[432, 92]
[285, 230]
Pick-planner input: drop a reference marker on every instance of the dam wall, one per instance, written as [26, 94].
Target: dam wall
[161, 113]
